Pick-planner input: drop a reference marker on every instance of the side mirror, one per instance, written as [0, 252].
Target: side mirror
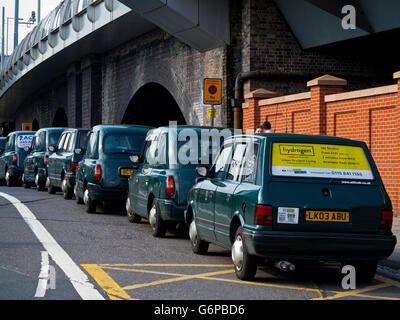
[135, 158]
[202, 171]
[78, 151]
[52, 148]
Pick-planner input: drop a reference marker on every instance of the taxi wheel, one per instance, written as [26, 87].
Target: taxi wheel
[245, 264]
[89, 203]
[198, 246]
[39, 186]
[25, 184]
[132, 216]
[78, 199]
[9, 179]
[67, 192]
[158, 226]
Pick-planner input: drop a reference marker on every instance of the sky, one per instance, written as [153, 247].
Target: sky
[25, 9]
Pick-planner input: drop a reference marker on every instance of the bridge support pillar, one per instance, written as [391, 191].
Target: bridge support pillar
[74, 78]
[91, 91]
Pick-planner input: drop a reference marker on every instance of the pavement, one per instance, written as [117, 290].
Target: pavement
[391, 266]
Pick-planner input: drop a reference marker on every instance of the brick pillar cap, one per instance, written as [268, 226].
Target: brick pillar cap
[260, 94]
[396, 75]
[327, 80]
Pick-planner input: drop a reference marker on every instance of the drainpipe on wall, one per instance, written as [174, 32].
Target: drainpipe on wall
[244, 76]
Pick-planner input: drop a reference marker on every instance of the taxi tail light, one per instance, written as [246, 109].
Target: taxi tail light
[386, 220]
[14, 159]
[263, 215]
[97, 172]
[73, 166]
[170, 186]
[46, 160]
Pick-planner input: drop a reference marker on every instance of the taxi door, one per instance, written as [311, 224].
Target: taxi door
[205, 214]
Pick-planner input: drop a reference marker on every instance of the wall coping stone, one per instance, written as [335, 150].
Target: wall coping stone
[327, 80]
[361, 93]
[284, 99]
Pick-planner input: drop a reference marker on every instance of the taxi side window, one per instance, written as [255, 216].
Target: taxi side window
[10, 143]
[236, 163]
[61, 142]
[70, 147]
[150, 152]
[249, 170]
[91, 146]
[66, 142]
[222, 162]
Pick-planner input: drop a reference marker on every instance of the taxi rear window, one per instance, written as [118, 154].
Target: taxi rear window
[330, 161]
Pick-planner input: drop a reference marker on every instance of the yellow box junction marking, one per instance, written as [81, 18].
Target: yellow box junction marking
[116, 292]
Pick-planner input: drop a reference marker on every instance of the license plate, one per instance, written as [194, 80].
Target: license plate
[328, 216]
[126, 172]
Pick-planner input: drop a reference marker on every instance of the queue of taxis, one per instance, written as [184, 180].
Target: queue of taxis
[277, 197]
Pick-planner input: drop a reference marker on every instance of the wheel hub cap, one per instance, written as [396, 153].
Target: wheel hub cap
[237, 252]
[64, 186]
[128, 207]
[37, 179]
[152, 216]
[193, 232]
[47, 182]
[86, 196]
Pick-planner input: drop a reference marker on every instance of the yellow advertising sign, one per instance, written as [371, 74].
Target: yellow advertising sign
[320, 161]
[27, 126]
[212, 91]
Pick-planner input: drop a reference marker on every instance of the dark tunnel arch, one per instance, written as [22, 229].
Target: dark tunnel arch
[60, 119]
[153, 105]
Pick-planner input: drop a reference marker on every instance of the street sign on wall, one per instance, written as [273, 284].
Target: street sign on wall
[212, 113]
[212, 91]
[27, 126]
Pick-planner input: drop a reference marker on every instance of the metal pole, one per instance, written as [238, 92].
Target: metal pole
[2, 37]
[16, 22]
[38, 11]
[7, 37]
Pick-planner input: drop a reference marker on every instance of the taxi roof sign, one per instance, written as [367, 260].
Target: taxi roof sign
[212, 91]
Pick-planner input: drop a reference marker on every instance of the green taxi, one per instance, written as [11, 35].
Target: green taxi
[103, 173]
[292, 198]
[63, 162]
[35, 164]
[158, 189]
[12, 160]
[3, 141]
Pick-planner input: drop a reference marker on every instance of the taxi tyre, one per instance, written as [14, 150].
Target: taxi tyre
[25, 184]
[9, 179]
[78, 199]
[246, 268]
[51, 189]
[89, 203]
[198, 246]
[365, 270]
[39, 186]
[132, 216]
[67, 192]
[158, 225]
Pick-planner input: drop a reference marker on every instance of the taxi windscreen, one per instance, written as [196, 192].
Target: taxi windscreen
[320, 161]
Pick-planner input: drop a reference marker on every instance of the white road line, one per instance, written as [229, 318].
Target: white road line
[43, 276]
[77, 277]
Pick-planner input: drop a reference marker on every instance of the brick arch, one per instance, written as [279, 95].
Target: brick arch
[158, 72]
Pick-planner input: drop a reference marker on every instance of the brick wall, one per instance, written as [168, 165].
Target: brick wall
[160, 58]
[369, 115]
